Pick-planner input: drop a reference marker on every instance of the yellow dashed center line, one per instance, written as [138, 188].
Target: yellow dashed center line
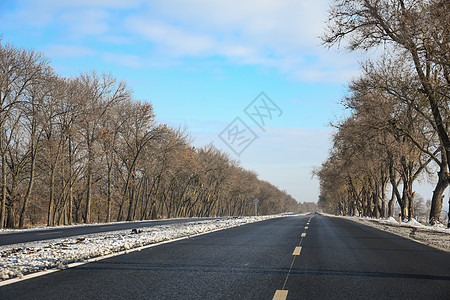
[280, 295]
[297, 250]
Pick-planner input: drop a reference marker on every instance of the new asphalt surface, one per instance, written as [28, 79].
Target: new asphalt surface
[338, 259]
[63, 232]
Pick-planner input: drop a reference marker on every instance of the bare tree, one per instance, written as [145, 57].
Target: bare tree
[95, 151]
[100, 94]
[420, 30]
[19, 69]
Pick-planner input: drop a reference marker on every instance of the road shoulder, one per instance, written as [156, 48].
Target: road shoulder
[438, 238]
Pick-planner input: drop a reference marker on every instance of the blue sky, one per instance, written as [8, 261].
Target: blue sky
[200, 63]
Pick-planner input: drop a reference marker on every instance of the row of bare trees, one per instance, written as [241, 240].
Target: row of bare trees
[82, 149]
[398, 128]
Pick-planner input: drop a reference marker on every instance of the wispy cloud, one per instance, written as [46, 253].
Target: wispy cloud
[126, 60]
[68, 51]
[174, 40]
[85, 22]
[282, 35]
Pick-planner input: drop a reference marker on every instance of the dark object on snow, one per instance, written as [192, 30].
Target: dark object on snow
[135, 231]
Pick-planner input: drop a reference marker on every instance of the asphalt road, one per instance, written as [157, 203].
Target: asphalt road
[346, 260]
[63, 232]
[338, 259]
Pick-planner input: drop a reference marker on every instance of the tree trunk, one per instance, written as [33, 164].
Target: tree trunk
[3, 210]
[51, 200]
[124, 198]
[120, 213]
[383, 197]
[11, 219]
[448, 215]
[436, 201]
[391, 204]
[87, 215]
[131, 200]
[411, 205]
[376, 211]
[108, 210]
[394, 185]
[438, 197]
[30, 187]
[404, 211]
[405, 201]
[72, 181]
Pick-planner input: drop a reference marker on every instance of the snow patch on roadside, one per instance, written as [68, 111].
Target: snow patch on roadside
[413, 222]
[40, 228]
[17, 260]
[389, 220]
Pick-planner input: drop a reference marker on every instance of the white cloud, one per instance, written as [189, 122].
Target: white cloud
[289, 22]
[126, 60]
[59, 4]
[278, 34]
[82, 22]
[173, 39]
[116, 39]
[68, 51]
[282, 35]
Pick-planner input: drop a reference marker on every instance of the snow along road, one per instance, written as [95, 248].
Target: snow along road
[308, 257]
[13, 236]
